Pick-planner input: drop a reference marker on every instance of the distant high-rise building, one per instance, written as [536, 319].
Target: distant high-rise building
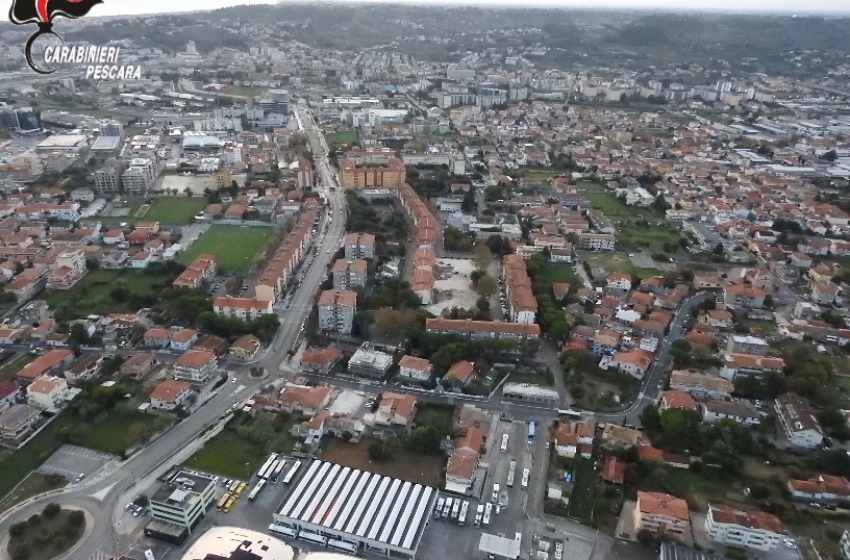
[21, 119]
[113, 128]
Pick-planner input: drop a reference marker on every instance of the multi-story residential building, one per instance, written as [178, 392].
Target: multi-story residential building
[701, 385]
[798, 421]
[597, 241]
[415, 369]
[822, 488]
[170, 394]
[749, 365]
[246, 309]
[522, 305]
[395, 409]
[273, 280]
[304, 398]
[321, 360]
[753, 529]
[619, 281]
[744, 295]
[17, 422]
[747, 344]
[67, 269]
[824, 293]
[348, 274]
[9, 394]
[50, 363]
[359, 246]
[138, 176]
[370, 362]
[245, 347]
[662, 514]
[195, 365]
[478, 330]
[181, 502]
[48, 392]
[200, 269]
[673, 398]
[352, 175]
[336, 310]
[107, 180]
[844, 545]
[304, 173]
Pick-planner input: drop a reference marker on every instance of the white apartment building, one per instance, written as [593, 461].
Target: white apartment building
[749, 529]
[184, 500]
[415, 369]
[48, 393]
[138, 176]
[336, 310]
[597, 241]
[798, 421]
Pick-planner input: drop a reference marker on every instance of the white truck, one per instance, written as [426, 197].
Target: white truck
[488, 510]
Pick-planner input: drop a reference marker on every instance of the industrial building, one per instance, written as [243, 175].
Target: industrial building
[236, 543]
[339, 507]
[179, 504]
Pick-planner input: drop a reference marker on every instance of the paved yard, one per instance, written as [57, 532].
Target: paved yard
[456, 290]
[71, 460]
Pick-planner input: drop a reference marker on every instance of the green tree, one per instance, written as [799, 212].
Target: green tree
[482, 256]
[677, 422]
[680, 350]
[486, 286]
[51, 510]
[650, 418]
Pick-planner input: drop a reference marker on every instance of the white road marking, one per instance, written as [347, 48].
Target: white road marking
[239, 389]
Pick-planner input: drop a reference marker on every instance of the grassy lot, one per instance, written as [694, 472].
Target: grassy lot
[559, 272]
[529, 378]
[600, 388]
[698, 489]
[404, 464]
[610, 205]
[48, 539]
[615, 261]
[347, 137]
[652, 239]
[131, 131]
[14, 365]
[234, 247]
[34, 484]
[582, 498]
[174, 210]
[115, 432]
[438, 416]
[92, 293]
[228, 452]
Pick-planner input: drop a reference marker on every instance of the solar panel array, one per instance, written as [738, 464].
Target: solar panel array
[359, 505]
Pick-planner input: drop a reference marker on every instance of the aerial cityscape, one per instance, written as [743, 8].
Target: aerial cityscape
[334, 281]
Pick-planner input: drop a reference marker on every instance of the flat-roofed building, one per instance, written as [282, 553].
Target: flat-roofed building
[798, 421]
[16, 423]
[370, 362]
[237, 543]
[376, 514]
[359, 246]
[336, 310]
[195, 365]
[348, 274]
[182, 500]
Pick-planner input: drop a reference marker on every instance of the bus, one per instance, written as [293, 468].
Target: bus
[291, 474]
[447, 508]
[223, 501]
[263, 472]
[525, 474]
[313, 538]
[505, 443]
[488, 509]
[570, 413]
[240, 489]
[495, 493]
[464, 510]
[275, 474]
[455, 508]
[531, 430]
[439, 509]
[256, 490]
[281, 530]
[511, 470]
[230, 501]
[351, 548]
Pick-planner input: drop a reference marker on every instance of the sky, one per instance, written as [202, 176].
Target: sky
[128, 7]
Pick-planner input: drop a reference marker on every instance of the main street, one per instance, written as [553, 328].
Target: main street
[105, 494]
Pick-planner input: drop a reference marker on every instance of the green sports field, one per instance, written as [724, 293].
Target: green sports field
[234, 247]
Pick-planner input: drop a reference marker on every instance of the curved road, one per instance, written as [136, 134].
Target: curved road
[105, 494]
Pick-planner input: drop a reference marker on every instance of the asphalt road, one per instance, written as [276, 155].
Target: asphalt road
[105, 494]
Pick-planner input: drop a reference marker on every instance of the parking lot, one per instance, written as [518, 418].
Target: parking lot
[72, 461]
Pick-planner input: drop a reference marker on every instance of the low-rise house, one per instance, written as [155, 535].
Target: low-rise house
[17, 422]
[460, 470]
[245, 347]
[565, 441]
[662, 514]
[747, 344]
[824, 293]
[183, 339]
[395, 409]
[741, 412]
[201, 269]
[619, 281]
[50, 363]
[171, 394]
[744, 295]
[305, 398]
[87, 367]
[822, 488]
[677, 399]
[798, 421]
[718, 318]
[461, 372]
[246, 309]
[632, 362]
[138, 365]
[321, 360]
[614, 435]
[415, 369]
[753, 529]
[156, 337]
[195, 365]
[701, 385]
[10, 393]
[614, 470]
[748, 364]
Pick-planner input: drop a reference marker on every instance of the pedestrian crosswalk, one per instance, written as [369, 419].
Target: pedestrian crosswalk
[100, 555]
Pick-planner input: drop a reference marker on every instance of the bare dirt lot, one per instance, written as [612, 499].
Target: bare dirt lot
[424, 469]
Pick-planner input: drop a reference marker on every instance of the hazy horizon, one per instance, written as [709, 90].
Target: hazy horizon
[783, 7]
